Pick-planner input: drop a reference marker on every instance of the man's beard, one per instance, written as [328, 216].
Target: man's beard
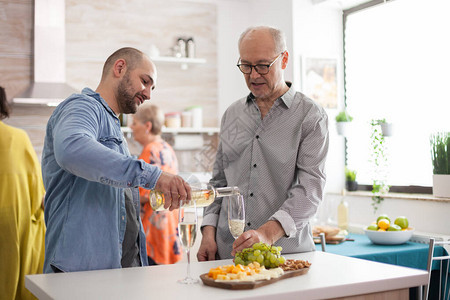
[125, 97]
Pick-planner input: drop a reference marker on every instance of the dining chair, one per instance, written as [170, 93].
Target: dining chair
[322, 241]
[444, 260]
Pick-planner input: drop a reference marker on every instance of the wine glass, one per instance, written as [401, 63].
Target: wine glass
[236, 215]
[187, 230]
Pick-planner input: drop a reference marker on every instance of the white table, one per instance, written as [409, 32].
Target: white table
[330, 276]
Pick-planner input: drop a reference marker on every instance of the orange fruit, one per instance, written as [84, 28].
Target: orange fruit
[384, 224]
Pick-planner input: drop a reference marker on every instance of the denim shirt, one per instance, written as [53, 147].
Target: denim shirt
[86, 166]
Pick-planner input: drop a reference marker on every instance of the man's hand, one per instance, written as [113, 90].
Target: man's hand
[208, 246]
[268, 233]
[175, 189]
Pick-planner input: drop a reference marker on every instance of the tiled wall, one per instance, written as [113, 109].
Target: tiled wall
[195, 160]
[94, 29]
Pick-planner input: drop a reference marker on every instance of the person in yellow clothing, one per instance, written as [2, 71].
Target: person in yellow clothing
[163, 246]
[22, 227]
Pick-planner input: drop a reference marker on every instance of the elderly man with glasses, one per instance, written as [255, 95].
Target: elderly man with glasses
[273, 146]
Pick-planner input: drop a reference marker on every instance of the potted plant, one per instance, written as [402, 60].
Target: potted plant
[350, 180]
[386, 127]
[379, 161]
[440, 157]
[342, 121]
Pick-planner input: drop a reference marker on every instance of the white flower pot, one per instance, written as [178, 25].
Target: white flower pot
[441, 185]
[386, 128]
[342, 128]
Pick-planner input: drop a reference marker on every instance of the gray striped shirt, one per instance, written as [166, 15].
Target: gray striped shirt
[277, 163]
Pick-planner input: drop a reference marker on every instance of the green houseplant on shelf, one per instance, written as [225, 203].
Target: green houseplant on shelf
[440, 157]
[350, 180]
[342, 121]
[379, 161]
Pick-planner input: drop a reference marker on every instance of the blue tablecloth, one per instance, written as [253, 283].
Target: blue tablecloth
[413, 255]
[409, 254]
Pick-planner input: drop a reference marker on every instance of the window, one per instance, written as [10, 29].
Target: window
[397, 67]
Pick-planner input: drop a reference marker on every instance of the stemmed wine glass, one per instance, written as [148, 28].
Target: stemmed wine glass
[236, 215]
[187, 230]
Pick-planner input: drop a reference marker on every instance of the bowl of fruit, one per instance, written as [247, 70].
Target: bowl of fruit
[387, 232]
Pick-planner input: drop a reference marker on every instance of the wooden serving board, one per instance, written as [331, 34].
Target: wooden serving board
[247, 285]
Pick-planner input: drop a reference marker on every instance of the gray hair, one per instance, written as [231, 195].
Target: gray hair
[278, 36]
[151, 113]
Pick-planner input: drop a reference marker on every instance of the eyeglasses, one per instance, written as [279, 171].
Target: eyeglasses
[260, 68]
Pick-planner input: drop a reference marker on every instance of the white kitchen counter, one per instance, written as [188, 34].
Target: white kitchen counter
[330, 276]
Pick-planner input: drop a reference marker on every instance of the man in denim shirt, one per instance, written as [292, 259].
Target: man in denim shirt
[91, 180]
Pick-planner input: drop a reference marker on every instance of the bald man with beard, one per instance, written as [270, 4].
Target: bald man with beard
[91, 180]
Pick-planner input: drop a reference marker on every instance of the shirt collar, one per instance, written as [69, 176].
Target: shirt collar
[287, 98]
[89, 92]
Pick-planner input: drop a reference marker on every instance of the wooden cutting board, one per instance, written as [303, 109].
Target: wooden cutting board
[237, 285]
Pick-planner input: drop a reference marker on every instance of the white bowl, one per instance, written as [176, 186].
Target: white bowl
[389, 237]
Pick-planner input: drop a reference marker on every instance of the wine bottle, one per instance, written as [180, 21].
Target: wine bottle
[202, 196]
[343, 213]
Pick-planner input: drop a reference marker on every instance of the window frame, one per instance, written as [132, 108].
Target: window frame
[411, 189]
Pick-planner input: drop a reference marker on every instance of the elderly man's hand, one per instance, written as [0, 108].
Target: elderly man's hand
[268, 233]
[175, 189]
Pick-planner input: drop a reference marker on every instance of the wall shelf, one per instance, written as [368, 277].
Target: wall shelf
[184, 62]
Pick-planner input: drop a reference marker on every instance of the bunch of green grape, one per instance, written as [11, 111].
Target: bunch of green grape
[266, 255]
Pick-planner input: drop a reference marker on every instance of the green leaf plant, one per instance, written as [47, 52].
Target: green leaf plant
[440, 152]
[343, 116]
[379, 160]
[350, 175]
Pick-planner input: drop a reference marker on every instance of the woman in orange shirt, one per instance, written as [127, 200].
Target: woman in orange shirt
[160, 227]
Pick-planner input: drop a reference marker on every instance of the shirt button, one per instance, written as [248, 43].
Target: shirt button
[254, 166]
[251, 194]
[257, 137]
[123, 218]
[248, 224]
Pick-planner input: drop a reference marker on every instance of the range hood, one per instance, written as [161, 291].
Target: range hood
[49, 85]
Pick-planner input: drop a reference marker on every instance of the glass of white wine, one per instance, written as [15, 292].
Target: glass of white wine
[187, 230]
[236, 215]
